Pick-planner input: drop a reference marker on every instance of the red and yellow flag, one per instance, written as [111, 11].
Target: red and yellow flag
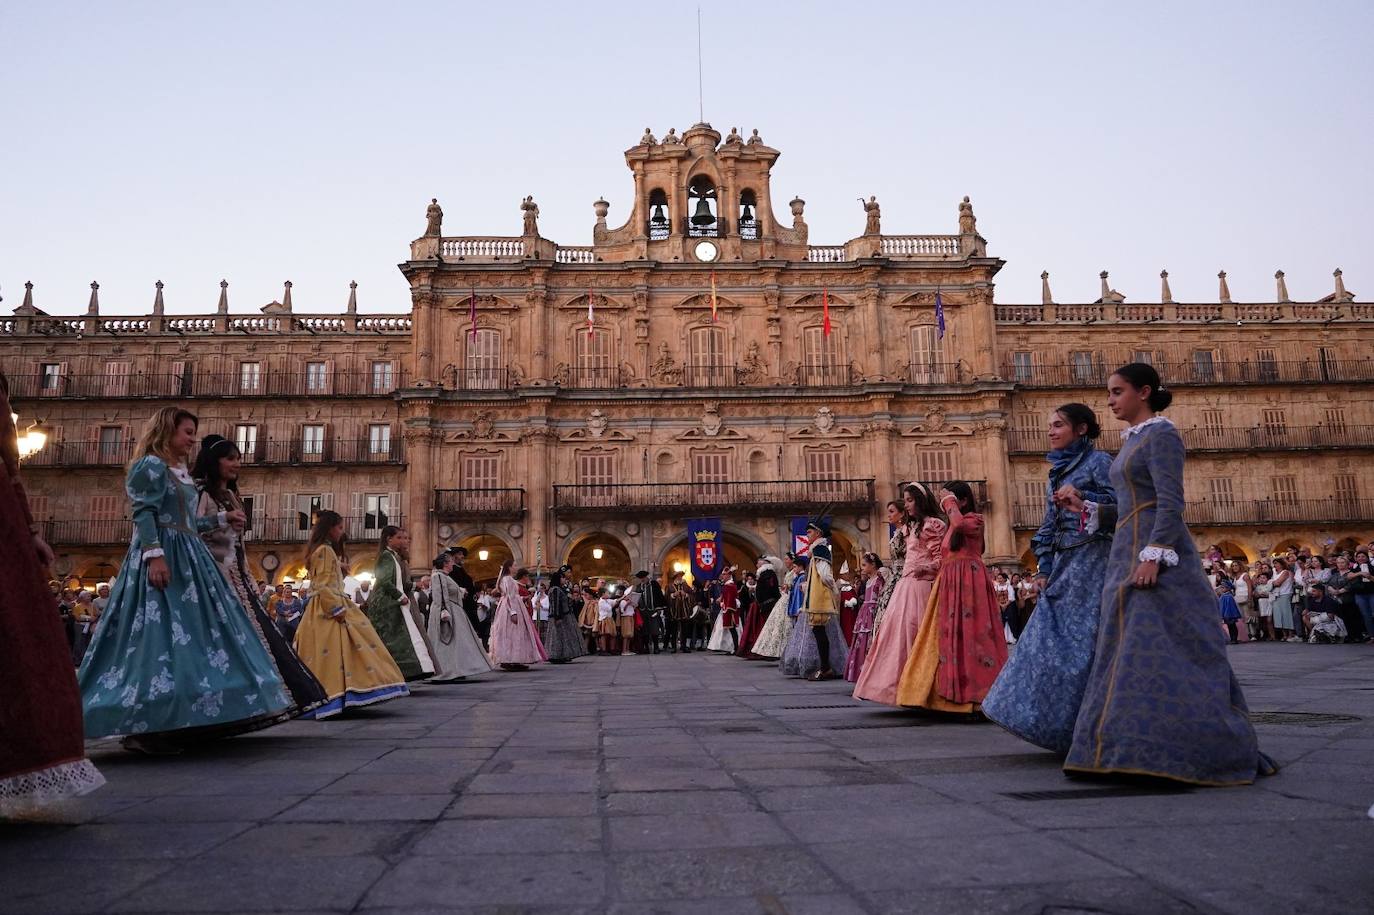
[825, 311]
[713, 296]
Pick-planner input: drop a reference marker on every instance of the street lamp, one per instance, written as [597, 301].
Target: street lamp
[32, 441]
[597, 552]
[483, 555]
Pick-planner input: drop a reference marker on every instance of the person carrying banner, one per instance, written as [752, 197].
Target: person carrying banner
[817, 648]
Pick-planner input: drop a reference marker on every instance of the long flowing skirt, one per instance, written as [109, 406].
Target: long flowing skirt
[753, 625]
[773, 636]
[462, 655]
[562, 638]
[720, 635]
[1038, 693]
[858, 648]
[514, 639]
[42, 751]
[1283, 611]
[961, 646]
[349, 659]
[877, 682]
[182, 658]
[802, 656]
[401, 636]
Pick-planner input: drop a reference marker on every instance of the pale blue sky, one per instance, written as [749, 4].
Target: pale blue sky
[262, 142]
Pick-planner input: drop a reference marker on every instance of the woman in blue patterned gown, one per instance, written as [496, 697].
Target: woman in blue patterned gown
[174, 658]
[1037, 695]
[1161, 700]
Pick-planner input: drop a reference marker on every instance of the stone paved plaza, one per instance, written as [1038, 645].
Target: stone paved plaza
[703, 783]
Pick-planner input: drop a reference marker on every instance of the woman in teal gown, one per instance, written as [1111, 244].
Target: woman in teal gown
[174, 659]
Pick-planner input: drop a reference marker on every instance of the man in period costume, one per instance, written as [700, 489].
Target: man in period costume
[653, 605]
[464, 580]
[822, 602]
[681, 601]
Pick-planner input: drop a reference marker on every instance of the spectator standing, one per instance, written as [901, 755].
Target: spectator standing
[287, 613]
[1344, 585]
[1284, 624]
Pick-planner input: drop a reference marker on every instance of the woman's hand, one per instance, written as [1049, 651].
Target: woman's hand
[45, 553]
[1146, 574]
[236, 519]
[1067, 497]
[159, 575]
[405, 601]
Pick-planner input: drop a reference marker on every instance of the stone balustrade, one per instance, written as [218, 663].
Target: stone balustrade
[477, 247]
[919, 246]
[584, 254]
[826, 254]
[1186, 313]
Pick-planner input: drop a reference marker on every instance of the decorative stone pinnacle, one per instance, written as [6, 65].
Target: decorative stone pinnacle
[1341, 294]
[94, 307]
[1223, 290]
[223, 307]
[353, 297]
[28, 295]
[1166, 295]
[157, 299]
[1045, 297]
[1281, 284]
[286, 297]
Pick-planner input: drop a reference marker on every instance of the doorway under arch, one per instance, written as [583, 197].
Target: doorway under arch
[486, 553]
[1230, 550]
[1289, 543]
[599, 554]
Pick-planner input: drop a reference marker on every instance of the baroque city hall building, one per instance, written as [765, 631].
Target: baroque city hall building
[554, 403]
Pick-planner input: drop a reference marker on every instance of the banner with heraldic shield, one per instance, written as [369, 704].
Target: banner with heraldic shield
[704, 542]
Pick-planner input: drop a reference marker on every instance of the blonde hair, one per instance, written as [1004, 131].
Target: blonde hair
[157, 434]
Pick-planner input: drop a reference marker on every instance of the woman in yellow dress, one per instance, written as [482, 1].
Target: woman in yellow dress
[335, 639]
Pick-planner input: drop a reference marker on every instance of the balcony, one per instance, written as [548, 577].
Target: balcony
[204, 383]
[594, 378]
[1263, 513]
[465, 504]
[478, 379]
[267, 452]
[729, 497]
[296, 528]
[824, 375]
[82, 454]
[1203, 439]
[104, 532]
[1196, 372]
[935, 373]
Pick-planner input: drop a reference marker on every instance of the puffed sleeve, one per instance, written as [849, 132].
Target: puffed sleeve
[1165, 465]
[326, 582]
[146, 486]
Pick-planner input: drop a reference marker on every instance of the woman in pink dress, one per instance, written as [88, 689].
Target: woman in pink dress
[871, 570]
[960, 648]
[902, 618]
[515, 642]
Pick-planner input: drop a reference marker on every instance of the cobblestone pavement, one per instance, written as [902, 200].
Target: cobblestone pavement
[703, 783]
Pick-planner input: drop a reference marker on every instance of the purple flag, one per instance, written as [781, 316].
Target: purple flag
[939, 315]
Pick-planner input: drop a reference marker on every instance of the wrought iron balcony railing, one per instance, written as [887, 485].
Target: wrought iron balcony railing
[295, 528]
[204, 382]
[460, 504]
[103, 532]
[590, 378]
[261, 452]
[824, 375]
[725, 496]
[936, 373]
[82, 454]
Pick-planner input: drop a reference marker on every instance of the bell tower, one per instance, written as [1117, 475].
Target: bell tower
[700, 200]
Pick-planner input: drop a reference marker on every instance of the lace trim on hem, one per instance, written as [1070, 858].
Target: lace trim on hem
[1159, 554]
[34, 789]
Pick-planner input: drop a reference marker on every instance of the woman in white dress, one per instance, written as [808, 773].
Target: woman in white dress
[458, 653]
[773, 637]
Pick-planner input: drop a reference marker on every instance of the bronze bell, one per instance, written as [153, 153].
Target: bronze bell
[747, 217]
[703, 216]
[658, 218]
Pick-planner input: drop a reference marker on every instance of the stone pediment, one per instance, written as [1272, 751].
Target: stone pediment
[701, 435]
[935, 422]
[585, 435]
[483, 430]
[456, 300]
[702, 303]
[598, 302]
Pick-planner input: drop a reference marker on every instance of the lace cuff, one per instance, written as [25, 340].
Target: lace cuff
[222, 519]
[1090, 521]
[153, 553]
[1160, 554]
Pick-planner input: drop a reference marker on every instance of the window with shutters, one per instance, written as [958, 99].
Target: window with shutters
[51, 375]
[711, 473]
[927, 355]
[250, 377]
[1028, 433]
[308, 508]
[1030, 507]
[111, 446]
[1222, 494]
[935, 465]
[38, 507]
[1143, 356]
[821, 358]
[317, 377]
[106, 515]
[824, 468]
[382, 378]
[596, 470]
[484, 365]
[1023, 366]
[246, 438]
[312, 442]
[1266, 365]
[1335, 420]
[376, 511]
[1347, 489]
[249, 503]
[117, 378]
[1284, 490]
[379, 439]
[1082, 366]
[1274, 426]
[1204, 365]
[1328, 363]
[480, 471]
[1213, 422]
[593, 359]
[707, 360]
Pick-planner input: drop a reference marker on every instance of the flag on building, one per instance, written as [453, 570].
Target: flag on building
[801, 544]
[939, 316]
[591, 315]
[472, 311]
[704, 542]
[713, 296]
[825, 311]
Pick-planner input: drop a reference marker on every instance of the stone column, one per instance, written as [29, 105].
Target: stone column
[420, 455]
[874, 319]
[1001, 539]
[539, 491]
[886, 478]
[982, 333]
[423, 318]
[677, 202]
[538, 300]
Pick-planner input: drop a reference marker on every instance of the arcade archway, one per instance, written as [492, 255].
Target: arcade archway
[740, 551]
[1231, 550]
[598, 554]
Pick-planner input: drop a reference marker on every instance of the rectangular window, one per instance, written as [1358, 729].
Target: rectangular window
[1328, 364]
[1266, 365]
[480, 473]
[1222, 494]
[382, 382]
[706, 359]
[117, 379]
[250, 377]
[1023, 366]
[376, 511]
[935, 465]
[1284, 490]
[379, 438]
[246, 437]
[308, 507]
[593, 366]
[53, 379]
[824, 468]
[1084, 371]
[821, 358]
[711, 473]
[107, 508]
[597, 472]
[1335, 420]
[248, 503]
[927, 355]
[1143, 355]
[317, 378]
[1275, 424]
[312, 441]
[38, 507]
[1347, 489]
[1204, 365]
[484, 369]
[1213, 422]
[111, 445]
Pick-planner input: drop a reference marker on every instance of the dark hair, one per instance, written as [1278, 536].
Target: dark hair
[505, 568]
[441, 560]
[925, 501]
[325, 521]
[384, 542]
[1078, 414]
[206, 469]
[1140, 375]
[521, 573]
[458, 550]
[964, 494]
[872, 559]
[899, 505]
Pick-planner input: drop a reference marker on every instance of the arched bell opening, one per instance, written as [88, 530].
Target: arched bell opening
[659, 225]
[705, 221]
[748, 215]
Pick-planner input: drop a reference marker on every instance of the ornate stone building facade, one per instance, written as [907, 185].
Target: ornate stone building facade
[558, 403]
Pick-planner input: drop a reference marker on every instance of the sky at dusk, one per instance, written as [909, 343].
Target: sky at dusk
[263, 142]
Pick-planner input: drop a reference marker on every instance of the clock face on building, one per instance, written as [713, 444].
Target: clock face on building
[706, 251]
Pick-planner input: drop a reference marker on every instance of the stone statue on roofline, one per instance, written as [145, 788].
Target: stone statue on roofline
[873, 214]
[968, 224]
[648, 139]
[531, 211]
[434, 219]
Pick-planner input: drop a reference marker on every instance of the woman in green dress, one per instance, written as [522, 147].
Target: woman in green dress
[388, 607]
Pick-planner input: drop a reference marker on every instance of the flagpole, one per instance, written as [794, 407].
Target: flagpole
[701, 103]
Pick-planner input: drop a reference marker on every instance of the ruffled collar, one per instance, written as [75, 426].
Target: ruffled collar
[1062, 460]
[1141, 427]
